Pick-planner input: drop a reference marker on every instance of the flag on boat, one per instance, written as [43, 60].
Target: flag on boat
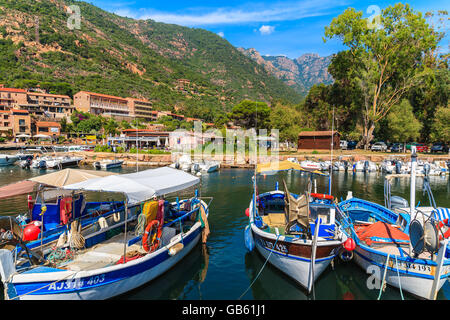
[282, 166]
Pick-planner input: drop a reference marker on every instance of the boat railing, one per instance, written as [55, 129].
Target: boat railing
[180, 218]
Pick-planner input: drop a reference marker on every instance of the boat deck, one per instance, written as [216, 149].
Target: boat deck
[386, 238]
[105, 254]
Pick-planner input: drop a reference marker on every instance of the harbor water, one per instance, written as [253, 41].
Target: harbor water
[224, 269]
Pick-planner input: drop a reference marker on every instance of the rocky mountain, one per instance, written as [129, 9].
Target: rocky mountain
[301, 73]
[191, 70]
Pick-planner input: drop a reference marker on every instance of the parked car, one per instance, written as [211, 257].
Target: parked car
[343, 144]
[379, 146]
[351, 145]
[421, 147]
[396, 147]
[439, 147]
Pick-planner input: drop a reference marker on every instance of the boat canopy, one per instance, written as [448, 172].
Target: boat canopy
[69, 176]
[283, 165]
[54, 179]
[17, 189]
[140, 186]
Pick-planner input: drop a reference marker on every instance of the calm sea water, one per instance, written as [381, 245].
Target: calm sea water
[223, 269]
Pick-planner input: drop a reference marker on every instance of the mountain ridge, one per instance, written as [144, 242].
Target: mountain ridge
[300, 73]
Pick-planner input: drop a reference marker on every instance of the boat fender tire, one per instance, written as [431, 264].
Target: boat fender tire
[346, 255]
[154, 236]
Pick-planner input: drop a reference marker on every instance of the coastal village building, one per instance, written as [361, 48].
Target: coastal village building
[102, 104]
[15, 123]
[38, 104]
[318, 140]
[142, 109]
[143, 138]
[49, 128]
[45, 105]
[11, 97]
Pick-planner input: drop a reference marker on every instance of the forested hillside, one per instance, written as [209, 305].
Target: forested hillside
[120, 56]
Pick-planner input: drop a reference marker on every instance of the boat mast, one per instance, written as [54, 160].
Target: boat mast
[331, 158]
[412, 197]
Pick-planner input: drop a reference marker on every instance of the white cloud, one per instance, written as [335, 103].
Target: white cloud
[292, 10]
[221, 34]
[266, 29]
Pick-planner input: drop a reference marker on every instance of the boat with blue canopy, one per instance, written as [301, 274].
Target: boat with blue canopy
[142, 245]
[298, 234]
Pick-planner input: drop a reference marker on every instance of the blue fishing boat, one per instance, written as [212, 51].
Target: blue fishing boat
[297, 234]
[32, 235]
[407, 245]
[143, 245]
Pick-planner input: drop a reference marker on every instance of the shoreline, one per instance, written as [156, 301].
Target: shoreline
[236, 161]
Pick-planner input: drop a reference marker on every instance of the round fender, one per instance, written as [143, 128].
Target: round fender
[322, 196]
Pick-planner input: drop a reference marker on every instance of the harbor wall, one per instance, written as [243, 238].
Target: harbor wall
[159, 160]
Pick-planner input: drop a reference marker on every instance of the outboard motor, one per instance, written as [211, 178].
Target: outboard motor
[28, 163]
[345, 164]
[97, 165]
[398, 167]
[366, 166]
[42, 164]
[399, 202]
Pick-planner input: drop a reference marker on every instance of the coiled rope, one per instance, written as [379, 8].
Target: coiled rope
[77, 240]
[140, 228]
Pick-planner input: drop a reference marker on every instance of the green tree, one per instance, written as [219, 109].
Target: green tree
[403, 125]
[440, 129]
[251, 114]
[111, 127]
[384, 61]
[288, 121]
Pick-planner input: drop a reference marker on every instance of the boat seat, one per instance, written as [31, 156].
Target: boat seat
[275, 220]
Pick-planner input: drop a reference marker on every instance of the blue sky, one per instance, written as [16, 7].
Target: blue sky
[289, 28]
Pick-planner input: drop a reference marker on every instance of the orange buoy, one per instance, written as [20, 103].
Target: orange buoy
[31, 232]
[349, 244]
[247, 212]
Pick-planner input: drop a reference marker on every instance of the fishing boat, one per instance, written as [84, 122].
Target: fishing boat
[408, 245]
[8, 159]
[296, 234]
[108, 164]
[50, 212]
[144, 247]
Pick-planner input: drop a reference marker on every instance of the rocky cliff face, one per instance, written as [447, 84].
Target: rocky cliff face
[301, 73]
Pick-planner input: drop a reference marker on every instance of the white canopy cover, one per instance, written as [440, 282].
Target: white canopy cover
[140, 186]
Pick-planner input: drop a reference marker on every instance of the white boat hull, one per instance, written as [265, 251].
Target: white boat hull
[107, 282]
[295, 268]
[415, 278]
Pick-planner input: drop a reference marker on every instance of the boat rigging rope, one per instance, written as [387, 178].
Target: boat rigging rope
[262, 268]
[399, 282]
[384, 277]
